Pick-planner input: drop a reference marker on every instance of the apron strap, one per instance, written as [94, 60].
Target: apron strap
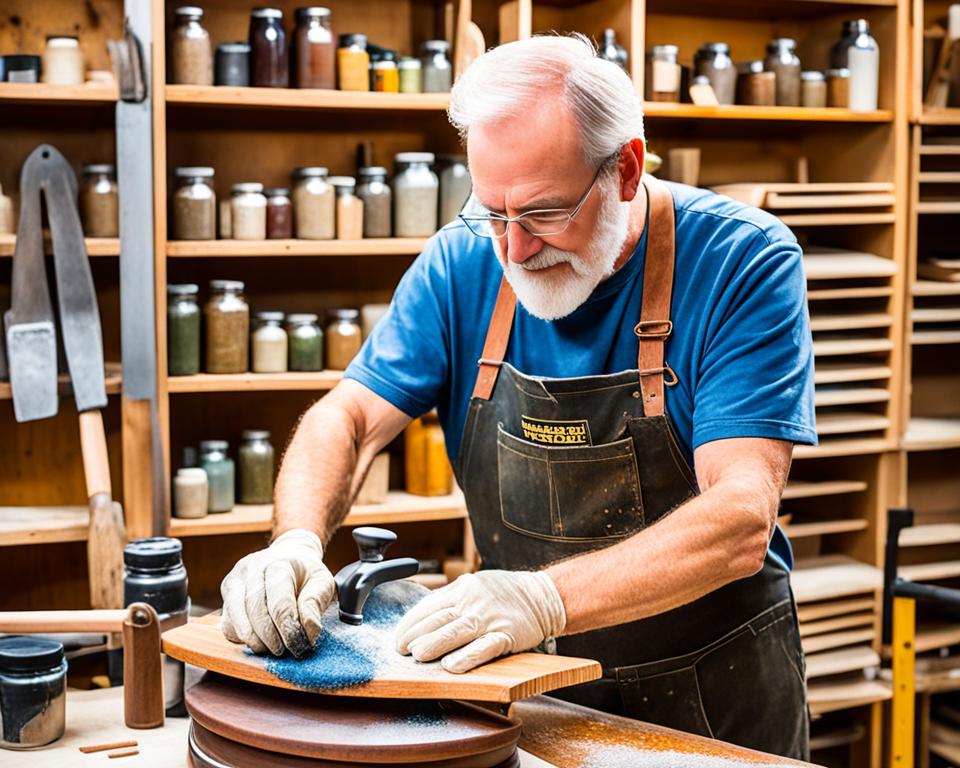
[495, 346]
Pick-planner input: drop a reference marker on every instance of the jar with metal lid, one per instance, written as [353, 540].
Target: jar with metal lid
[386, 75]
[838, 88]
[415, 195]
[813, 89]
[228, 327]
[305, 342]
[268, 49]
[220, 475]
[192, 52]
[428, 471]
[662, 78]
[314, 206]
[279, 213]
[232, 64]
[344, 338]
[248, 211]
[21, 68]
[194, 204]
[33, 691]
[63, 61]
[269, 343]
[190, 493]
[782, 60]
[435, 61]
[349, 208]
[713, 62]
[858, 52]
[100, 201]
[256, 467]
[755, 85]
[375, 193]
[313, 51]
[612, 51]
[455, 186]
[410, 72]
[353, 63]
[183, 330]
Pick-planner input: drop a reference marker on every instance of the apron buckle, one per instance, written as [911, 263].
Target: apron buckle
[672, 381]
[488, 361]
[653, 329]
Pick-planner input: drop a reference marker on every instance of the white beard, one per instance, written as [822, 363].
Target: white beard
[562, 291]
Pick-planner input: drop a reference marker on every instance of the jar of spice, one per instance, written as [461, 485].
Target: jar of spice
[268, 49]
[344, 338]
[256, 467]
[437, 72]
[782, 59]
[755, 85]
[386, 75]
[313, 50]
[374, 191]
[192, 52]
[838, 88]
[279, 213]
[248, 211]
[349, 208]
[662, 80]
[269, 343]
[63, 61]
[353, 63]
[220, 475]
[611, 50]
[99, 201]
[416, 193]
[713, 62]
[33, 691]
[305, 342]
[228, 327]
[858, 52]
[813, 89]
[190, 493]
[428, 471]
[194, 204]
[183, 330]
[314, 206]
[410, 72]
[455, 186]
[232, 65]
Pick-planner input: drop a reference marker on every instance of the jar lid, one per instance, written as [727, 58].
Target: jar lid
[342, 183]
[312, 12]
[385, 63]
[213, 445]
[715, 48]
[189, 10]
[408, 62]
[62, 41]
[237, 47]
[269, 317]
[313, 171]
[387, 54]
[255, 434]
[700, 80]
[669, 50]
[183, 289]
[194, 172]
[20, 653]
[856, 25]
[751, 67]
[434, 46]
[156, 553]
[781, 42]
[414, 157]
[93, 168]
[812, 76]
[226, 285]
[246, 187]
[197, 472]
[302, 317]
[372, 171]
[266, 13]
[353, 38]
[345, 314]
[277, 192]
[843, 72]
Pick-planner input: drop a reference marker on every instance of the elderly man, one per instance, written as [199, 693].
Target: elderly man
[541, 325]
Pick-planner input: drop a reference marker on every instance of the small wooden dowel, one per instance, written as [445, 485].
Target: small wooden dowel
[128, 753]
[112, 745]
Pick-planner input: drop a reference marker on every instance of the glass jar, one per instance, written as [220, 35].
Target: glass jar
[268, 49]
[63, 61]
[248, 211]
[611, 50]
[269, 343]
[415, 195]
[192, 52]
[256, 467]
[226, 225]
[21, 68]
[220, 475]
[353, 63]
[183, 330]
[756, 86]
[713, 62]
[370, 315]
[33, 691]
[428, 471]
[344, 338]
[194, 204]
[313, 51]
[7, 226]
[782, 60]
[349, 208]
[314, 206]
[305, 343]
[386, 75]
[858, 52]
[838, 88]
[455, 186]
[662, 80]
[100, 201]
[375, 193]
[190, 493]
[228, 327]
[410, 72]
[435, 61]
[813, 89]
[279, 213]
[232, 65]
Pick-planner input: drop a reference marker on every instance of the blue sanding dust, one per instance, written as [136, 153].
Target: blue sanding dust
[348, 655]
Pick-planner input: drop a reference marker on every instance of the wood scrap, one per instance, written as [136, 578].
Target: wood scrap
[105, 747]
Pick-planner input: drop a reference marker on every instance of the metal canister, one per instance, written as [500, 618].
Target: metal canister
[33, 675]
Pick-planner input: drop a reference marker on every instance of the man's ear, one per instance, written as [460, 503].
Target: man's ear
[632, 156]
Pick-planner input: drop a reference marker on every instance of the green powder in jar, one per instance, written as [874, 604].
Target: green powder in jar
[228, 322]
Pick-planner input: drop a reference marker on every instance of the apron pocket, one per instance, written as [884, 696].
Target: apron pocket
[670, 698]
[583, 493]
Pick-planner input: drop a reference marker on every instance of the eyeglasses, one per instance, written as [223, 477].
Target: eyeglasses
[540, 223]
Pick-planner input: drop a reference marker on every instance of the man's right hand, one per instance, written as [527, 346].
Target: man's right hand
[273, 600]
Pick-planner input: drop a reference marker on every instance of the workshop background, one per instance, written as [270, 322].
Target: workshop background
[871, 187]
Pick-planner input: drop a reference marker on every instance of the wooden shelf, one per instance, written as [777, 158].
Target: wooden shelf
[850, 346]
[935, 288]
[938, 206]
[836, 219]
[96, 246]
[931, 635]
[831, 294]
[254, 382]
[303, 98]
[936, 314]
[831, 696]
[798, 489]
[843, 660]
[831, 576]
[930, 535]
[113, 381]
[846, 422]
[399, 507]
[380, 246]
[659, 109]
[837, 640]
[824, 528]
[835, 623]
[946, 116]
[939, 177]
[832, 447]
[850, 321]
[831, 264]
[40, 93]
[850, 396]
[817, 611]
[940, 149]
[923, 338]
[931, 434]
[948, 569]
[838, 373]
[42, 525]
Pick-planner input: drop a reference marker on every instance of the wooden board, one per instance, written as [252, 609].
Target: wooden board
[948, 569]
[835, 264]
[936, 314]
[799, 489]
[931, 434]
[806, 195]
[844, 694]
[824, 397]
[825, 527]
[850, 346]
[935, 288]
[838, 423]
[935, 337]
[812, 628]
[832, 576]
[932, 271]
[815, 611]
[837, 640]
[930, 535]
[850, 321]
[508, 679]
[837, 662]
[839, 373]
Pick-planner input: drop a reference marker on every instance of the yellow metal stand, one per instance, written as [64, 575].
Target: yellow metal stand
[904, 694]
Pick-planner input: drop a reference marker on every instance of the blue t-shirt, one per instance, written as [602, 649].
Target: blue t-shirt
[741, 345]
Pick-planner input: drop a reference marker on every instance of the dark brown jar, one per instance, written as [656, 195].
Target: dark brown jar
[756, 86]
[268, 49]
[279, 214]
[313, 53]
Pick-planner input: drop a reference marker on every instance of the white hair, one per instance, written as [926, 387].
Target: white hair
[505, 80]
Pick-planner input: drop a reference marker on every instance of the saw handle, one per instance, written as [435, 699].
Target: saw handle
[93, 446]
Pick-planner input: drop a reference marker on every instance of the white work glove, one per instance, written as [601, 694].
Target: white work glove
[273, 599]
[484, 615]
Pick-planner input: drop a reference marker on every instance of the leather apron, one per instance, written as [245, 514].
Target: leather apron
[553, 468]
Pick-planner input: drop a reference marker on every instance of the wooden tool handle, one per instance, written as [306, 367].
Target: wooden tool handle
[93, 446]
[142, 668]
[106, 538]
[17, 622]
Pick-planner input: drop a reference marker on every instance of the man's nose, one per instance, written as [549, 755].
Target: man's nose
[520, 244]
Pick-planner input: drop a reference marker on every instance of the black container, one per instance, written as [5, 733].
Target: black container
[33, 675]
[232, 65]
[268, 49]
[19, 68]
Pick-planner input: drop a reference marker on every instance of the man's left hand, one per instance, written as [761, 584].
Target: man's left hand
[481, 616]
